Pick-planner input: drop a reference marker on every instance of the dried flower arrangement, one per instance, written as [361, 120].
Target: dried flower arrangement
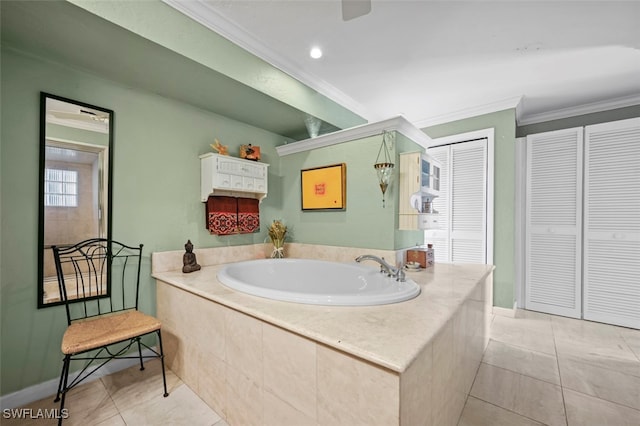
[277, 233]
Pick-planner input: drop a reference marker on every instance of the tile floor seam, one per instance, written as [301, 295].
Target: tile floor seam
[585, 362]
[637, 354]
[522, 374]
[475, 376]
[112, 401]
[508, 409]
[555, 354]
[576, 359]
[527, 349]
[555, 348]
[518, 372]
[602, 399]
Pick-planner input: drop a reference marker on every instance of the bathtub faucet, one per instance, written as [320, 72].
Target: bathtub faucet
[398, 273]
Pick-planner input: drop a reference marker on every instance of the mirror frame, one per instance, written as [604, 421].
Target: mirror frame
[41, 208]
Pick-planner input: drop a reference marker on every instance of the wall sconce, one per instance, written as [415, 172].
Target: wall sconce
[383, 165]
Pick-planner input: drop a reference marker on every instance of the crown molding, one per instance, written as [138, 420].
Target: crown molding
[500, 105]
[205, 14]
[96, 126]
[558, 114]
[398, 123]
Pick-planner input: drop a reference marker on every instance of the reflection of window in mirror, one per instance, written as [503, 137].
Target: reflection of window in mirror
[74, 188]
[60, 188]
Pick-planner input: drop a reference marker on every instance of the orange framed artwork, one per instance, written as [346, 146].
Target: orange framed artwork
[324, 188]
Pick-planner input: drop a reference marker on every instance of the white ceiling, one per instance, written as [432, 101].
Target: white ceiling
[433, 61]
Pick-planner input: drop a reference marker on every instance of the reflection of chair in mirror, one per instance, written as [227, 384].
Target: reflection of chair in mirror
[102, 328]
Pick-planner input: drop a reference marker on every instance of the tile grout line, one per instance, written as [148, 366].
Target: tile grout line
[477, 369]
[555, 348]
[637, 355]
[521, 373]
[509, 410]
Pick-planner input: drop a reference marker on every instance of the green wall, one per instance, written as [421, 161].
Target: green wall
[504, 125]
[364, 223]
[156, 194]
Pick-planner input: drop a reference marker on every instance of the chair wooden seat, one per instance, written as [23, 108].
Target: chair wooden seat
[94, 333]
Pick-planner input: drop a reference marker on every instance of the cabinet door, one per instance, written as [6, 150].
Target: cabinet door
[248, 184]
[462, 204]
[468, 183]
[612, 223]
[222, 180]
[440, 237]
[237, 182]
[409, 184]
[553, 222]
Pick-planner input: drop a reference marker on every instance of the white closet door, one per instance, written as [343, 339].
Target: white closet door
[440, 237]
[462, 204]
[553, 222]
[612, 223]
[469, 202]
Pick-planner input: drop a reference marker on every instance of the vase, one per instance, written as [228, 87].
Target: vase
[278, 252]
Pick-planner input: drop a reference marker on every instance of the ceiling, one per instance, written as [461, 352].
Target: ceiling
[64, 33]
[434, 61]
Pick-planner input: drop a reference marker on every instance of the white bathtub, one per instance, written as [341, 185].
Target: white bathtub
[316, 282]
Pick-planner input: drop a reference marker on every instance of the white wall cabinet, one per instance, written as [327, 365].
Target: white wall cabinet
[236, 177]
[583, 223]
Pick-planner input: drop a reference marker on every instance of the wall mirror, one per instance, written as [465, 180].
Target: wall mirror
[76, 163]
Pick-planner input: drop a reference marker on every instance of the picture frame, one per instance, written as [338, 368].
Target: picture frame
[324, 188]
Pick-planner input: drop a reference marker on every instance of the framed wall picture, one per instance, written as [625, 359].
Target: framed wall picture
[324, 188]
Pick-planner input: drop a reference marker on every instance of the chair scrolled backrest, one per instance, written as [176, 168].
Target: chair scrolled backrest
[97, 276]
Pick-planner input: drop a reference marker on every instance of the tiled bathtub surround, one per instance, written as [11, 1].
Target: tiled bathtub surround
[590, 397]
[172, 260]
[259, 361]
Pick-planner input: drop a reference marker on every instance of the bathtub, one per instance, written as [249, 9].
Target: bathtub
[316, 282]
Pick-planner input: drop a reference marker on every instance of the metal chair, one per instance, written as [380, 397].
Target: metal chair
[103, 321]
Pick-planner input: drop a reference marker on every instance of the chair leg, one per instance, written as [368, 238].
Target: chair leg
[62, 375]
[164, 377]
[62, 390]
[140, 354]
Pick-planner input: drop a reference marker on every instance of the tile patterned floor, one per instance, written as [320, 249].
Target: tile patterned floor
[537, 370]
[550, 370]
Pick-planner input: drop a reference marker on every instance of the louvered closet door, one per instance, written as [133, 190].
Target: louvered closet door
[462, 204]
[468, 202]
[612, 223]
[553, 222]
[440, 237]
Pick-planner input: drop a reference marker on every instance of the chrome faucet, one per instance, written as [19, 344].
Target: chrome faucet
[398, 273]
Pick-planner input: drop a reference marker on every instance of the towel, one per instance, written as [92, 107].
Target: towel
[222, 215]
[248, 215]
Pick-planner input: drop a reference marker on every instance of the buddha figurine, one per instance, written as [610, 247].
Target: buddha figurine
[189, 259]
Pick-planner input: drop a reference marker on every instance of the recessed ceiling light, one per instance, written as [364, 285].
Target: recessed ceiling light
[315, 52]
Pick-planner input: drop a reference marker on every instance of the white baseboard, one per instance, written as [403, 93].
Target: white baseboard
[50, 387]
[505, 312]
